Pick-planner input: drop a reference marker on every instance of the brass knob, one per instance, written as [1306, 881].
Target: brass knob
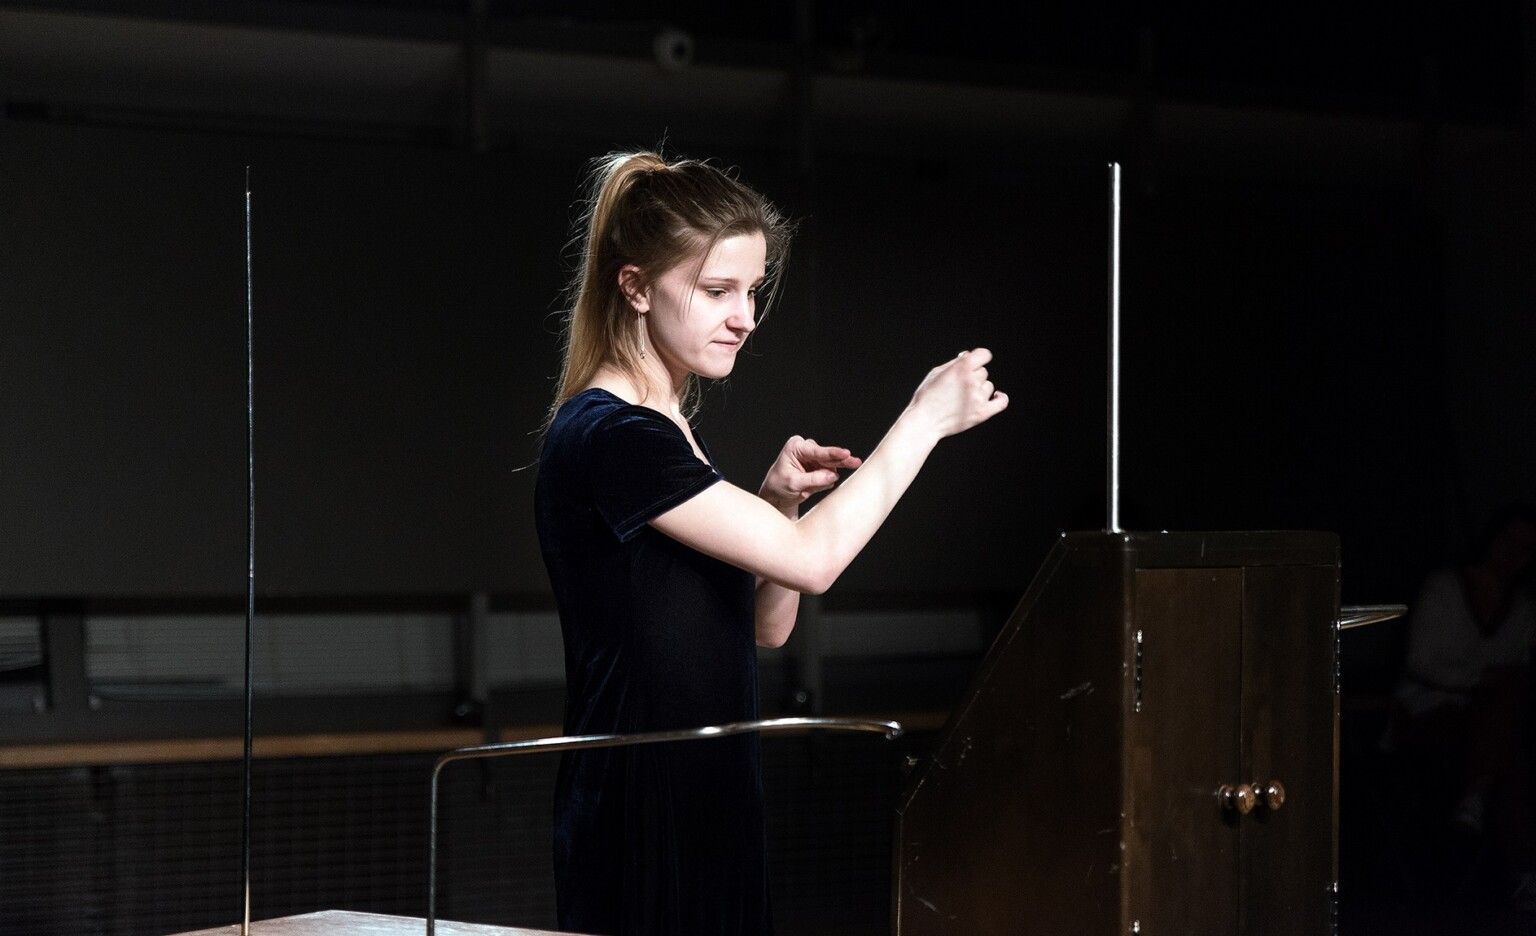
[1241, 797]
[1274, 794]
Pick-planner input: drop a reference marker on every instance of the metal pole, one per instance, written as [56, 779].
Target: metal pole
[250, 561]
[1113, 480]
[890, 729]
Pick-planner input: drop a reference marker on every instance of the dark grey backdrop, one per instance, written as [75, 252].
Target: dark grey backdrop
[1297, 355]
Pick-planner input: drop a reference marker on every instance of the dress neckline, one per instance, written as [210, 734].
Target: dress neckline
[709, 457]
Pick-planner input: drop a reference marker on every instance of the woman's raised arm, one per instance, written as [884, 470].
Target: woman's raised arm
[808, 554]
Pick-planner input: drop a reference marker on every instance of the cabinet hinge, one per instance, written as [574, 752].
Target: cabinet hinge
[1337, 662]
[1136, 675]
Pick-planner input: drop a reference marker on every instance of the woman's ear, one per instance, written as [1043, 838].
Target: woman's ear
[632, 285]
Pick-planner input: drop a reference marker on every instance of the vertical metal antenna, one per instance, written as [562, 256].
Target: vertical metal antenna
[250, 560]
[1113, 480]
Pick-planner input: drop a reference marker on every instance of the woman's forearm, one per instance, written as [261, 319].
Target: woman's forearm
[840, 526]
[777, 606]
[809, 554]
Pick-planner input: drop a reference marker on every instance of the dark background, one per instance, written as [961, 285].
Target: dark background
[406, 313]
[1329, 317]
[1327, 312]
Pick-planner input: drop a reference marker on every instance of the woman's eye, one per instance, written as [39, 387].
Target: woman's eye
[718, 292]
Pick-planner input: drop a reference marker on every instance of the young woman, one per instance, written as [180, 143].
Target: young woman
[666, 576]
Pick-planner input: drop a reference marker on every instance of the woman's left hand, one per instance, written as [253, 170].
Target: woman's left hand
[804, 468]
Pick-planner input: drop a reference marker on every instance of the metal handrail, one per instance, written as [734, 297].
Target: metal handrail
[890, 729]
[1351, 616]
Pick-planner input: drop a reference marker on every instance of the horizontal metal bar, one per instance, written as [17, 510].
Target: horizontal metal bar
[572, 742]
[1361, 615]
[890, 729]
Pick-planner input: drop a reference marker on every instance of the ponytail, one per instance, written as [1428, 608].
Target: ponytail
[640, 209]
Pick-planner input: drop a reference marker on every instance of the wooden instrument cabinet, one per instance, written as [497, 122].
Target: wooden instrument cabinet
[1150, 747]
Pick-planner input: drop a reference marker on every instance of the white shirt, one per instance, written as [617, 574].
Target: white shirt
[1446, 647]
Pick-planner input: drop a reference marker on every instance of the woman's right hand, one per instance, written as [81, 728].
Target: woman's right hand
[808, 554]
[957, 395]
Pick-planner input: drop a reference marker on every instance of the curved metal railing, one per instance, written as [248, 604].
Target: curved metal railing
[890, 729]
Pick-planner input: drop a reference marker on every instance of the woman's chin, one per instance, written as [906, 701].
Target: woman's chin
[715, 370]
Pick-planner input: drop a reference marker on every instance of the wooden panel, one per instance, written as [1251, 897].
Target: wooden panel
[1181, 860]
[1011, 825]
[201, 750]
[1290, 733]
[1224, 550]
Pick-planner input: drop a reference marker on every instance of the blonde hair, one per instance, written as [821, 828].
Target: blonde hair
[641, 209]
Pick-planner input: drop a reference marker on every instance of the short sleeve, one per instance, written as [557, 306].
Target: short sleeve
[641, 466]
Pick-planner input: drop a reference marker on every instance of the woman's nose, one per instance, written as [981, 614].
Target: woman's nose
[742, 316]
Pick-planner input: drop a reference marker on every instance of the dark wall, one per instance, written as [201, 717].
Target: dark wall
[401, 350]
[1296, 356]
[1490, 308]
[1294, 373]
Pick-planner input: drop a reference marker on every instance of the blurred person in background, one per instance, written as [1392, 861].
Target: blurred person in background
[1462, 709]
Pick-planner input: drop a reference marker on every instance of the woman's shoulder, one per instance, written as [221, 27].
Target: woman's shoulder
[597, 409]
[573, 423]
[598, 418]
[584, 410]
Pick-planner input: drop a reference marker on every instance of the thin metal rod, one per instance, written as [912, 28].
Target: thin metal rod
[890, 729]
[250, 561]
[1113, 481]
[1352, 616]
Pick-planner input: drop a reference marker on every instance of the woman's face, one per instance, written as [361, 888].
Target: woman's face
[699, 327]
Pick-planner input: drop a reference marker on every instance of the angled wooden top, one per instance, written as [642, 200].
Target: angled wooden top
[352, 923]
[1215, 548]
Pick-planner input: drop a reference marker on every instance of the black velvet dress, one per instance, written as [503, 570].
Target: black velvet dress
[668, 839]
